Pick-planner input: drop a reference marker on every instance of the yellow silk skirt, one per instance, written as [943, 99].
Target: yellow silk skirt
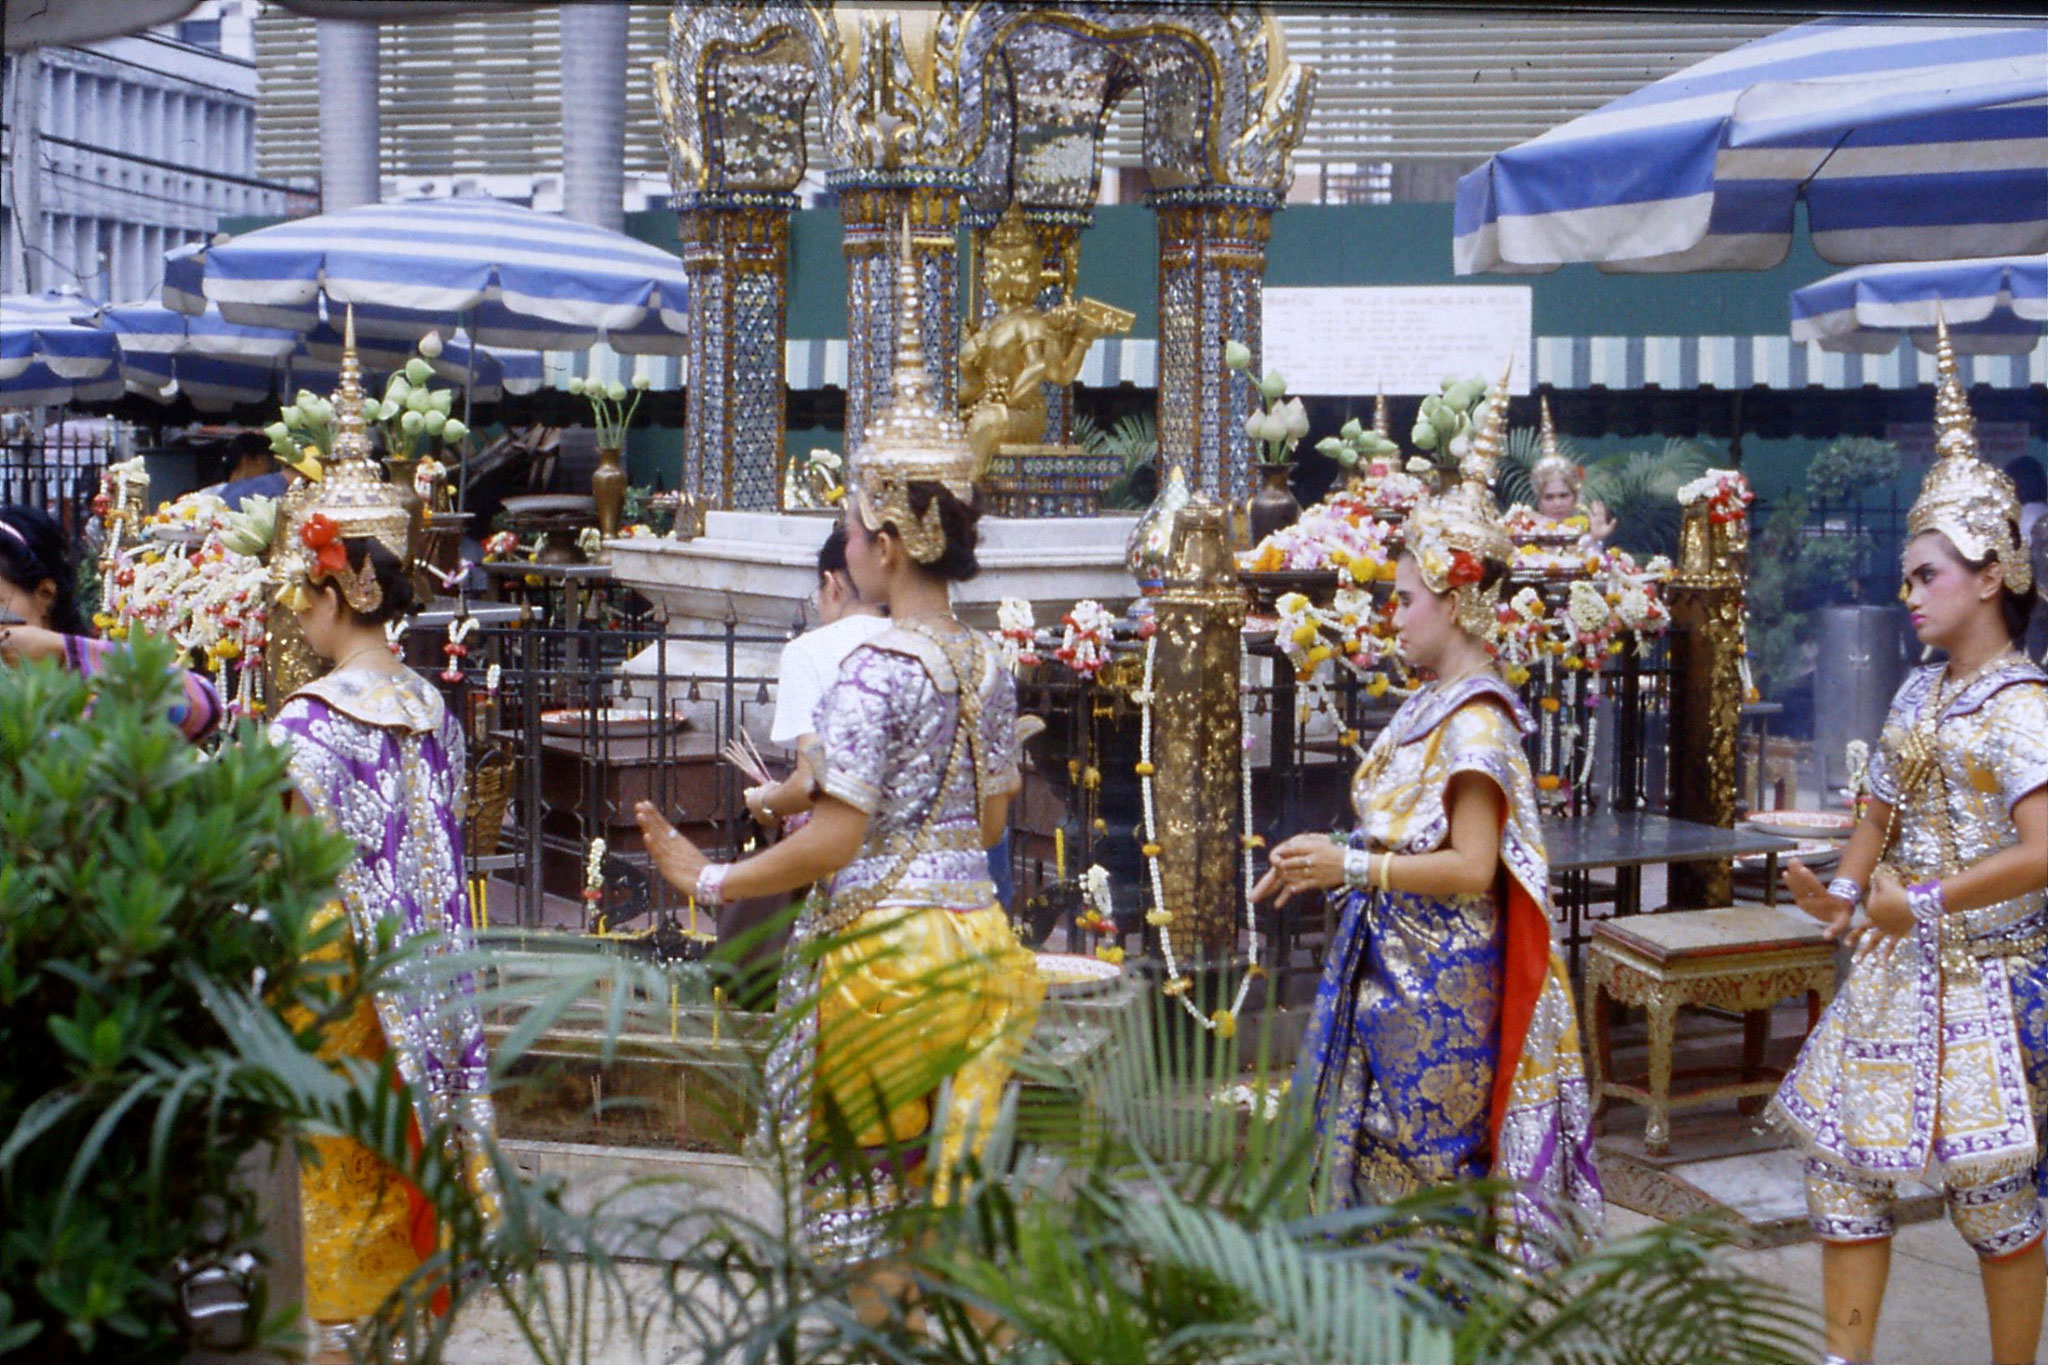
[358, 1218]
[914, 996]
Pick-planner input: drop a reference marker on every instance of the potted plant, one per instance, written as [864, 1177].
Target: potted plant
[1275, 428]
[612, 414]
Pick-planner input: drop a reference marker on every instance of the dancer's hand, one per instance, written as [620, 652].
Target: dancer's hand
[676, 858]
[20, 643]
[1890, 912]
[1814, 899]
[1306, 862]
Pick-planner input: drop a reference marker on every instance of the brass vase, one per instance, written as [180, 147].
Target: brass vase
[608, 490]
[1274, 506]
[1151, 543]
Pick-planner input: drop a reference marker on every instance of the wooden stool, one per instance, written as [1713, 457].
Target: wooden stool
[1741, 958]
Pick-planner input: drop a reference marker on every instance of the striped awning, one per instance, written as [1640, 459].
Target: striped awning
[1609, 362]
[1906, 139]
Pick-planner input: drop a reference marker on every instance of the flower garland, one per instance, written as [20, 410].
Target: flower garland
[1098, 909]
[1223, 1022]
[1016, 633]
[1085, 645]
[1725, 491]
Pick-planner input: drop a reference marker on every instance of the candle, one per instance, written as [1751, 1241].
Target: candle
[675, 1009]
[1059, 852]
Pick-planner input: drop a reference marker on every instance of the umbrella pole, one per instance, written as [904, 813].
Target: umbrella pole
[468, 383]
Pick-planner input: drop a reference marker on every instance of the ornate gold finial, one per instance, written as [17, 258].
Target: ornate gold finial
[1382, 424]
[913, 439]
[1965, 499]
[1454, 536]
[1550, 463]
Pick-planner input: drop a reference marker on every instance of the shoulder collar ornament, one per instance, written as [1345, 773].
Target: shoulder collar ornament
[389, 701]
[1965, 499]
[1427, 709]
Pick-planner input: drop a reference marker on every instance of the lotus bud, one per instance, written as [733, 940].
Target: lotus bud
[1351, 430]
[1444, 421]
[1237, 355]
[305, 399]
[642, 382]
[1297, 418]
[388, 409]
[1273, 387]
[419, 400]
[323, 413]
[576, 384]
[436, 423]
[418, 370]
[1331, 448]
[453, 430]
[441, 401]
[398, 387]
[412, 423]
[1347, 457]
[278, 432]
[1423, 437]
[1460, 445]
[430, 345]
[615, 391]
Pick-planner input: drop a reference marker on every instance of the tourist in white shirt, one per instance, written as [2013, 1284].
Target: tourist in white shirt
[810, 665]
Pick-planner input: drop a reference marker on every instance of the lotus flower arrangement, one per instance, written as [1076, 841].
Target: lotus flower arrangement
[1280, 422]
[609, 408]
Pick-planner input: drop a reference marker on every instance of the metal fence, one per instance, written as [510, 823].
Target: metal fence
[58, 472]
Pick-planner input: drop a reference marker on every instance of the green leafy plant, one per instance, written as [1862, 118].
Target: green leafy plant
[129, 866]
[1134, 437]
[1640, 493]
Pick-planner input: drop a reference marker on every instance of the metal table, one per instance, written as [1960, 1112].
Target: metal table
[1628, 841]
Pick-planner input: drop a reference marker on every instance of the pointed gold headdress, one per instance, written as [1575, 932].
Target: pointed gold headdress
[1965, 499]
[1454, 536]
[1550, 462]
[353, 499]
[913, 440]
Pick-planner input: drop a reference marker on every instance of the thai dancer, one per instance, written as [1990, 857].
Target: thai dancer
[376, 755]
[1932, 1062]
[910, 962]
[1443, 1043]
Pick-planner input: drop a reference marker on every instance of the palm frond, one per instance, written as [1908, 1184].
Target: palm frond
[1640, 491]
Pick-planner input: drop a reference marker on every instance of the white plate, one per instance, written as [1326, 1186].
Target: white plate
[1814, 853]
[614, 721]
[1804, 824]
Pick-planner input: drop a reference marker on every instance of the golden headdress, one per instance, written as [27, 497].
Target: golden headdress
[1973, 504]
[1454, 535]
[913, 440]
[353, 499]
[1551, 463]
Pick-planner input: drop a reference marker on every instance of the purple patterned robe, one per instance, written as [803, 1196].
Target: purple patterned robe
[380, 758]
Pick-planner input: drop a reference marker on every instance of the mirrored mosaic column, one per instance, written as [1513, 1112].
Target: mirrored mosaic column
[1212, 270]
[735, 249]
[872, 204]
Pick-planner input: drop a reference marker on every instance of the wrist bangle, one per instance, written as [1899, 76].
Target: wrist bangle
[1386, 872]
[1847, 889]
[1357, 868]
[1926, 901]
[711, 882]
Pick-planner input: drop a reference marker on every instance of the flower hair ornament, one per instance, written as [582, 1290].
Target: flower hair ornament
[358, 583]
[915, 439]
[1452, 536]
[1973, 504]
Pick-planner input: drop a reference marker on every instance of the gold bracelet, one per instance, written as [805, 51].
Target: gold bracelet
[1386, 877]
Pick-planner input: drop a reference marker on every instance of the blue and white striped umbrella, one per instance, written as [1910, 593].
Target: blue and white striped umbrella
[514, 277]
[1906, 140]
[1996, 306]
[219, 364]
[47, 359]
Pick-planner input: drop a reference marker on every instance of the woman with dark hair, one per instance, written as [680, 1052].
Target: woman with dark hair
[40, 619]
[1932, 1061]
[915, 974]
[375, 754]
[1444, 1045]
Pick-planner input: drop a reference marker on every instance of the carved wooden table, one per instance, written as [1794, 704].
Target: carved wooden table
[1740, 958]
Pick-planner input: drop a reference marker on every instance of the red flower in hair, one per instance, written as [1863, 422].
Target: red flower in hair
[1465, 569]
[323, 537]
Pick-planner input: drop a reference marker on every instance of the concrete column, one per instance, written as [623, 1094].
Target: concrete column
[349, 129]
[594, 114]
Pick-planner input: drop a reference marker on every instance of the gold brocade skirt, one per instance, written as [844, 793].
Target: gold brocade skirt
[357, 1216]
[914, 996]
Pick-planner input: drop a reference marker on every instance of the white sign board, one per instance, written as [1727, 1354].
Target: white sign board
[1358, 340]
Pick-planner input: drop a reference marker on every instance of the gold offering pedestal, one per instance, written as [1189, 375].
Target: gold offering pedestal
[1744, 959]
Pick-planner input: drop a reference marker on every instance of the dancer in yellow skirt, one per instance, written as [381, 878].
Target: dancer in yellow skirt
[921, 984]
